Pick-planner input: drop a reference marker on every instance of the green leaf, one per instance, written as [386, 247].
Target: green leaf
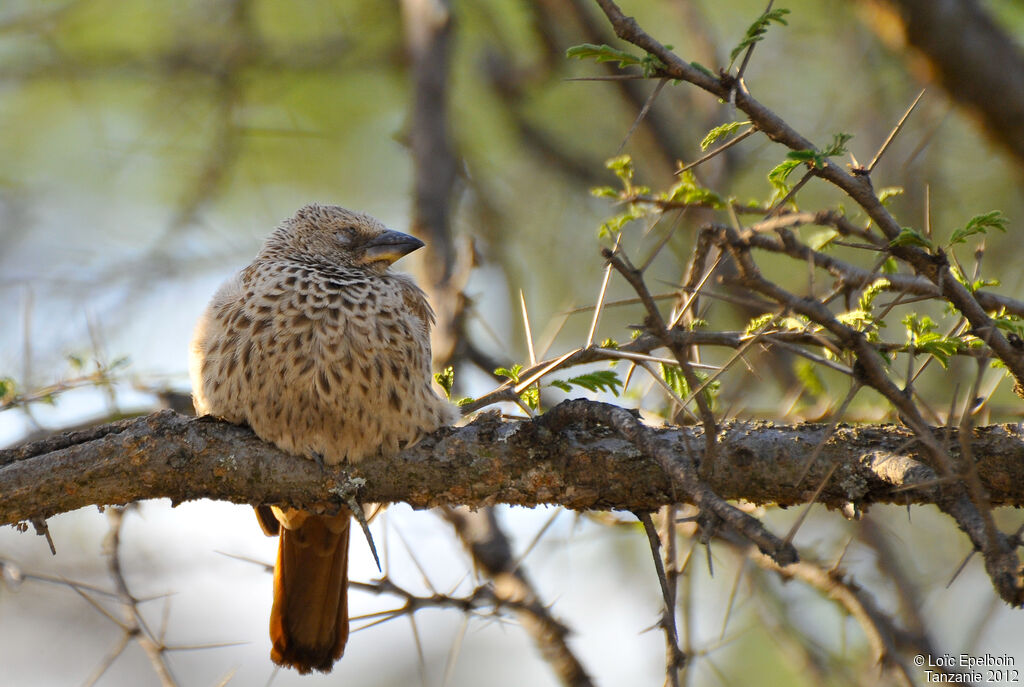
[860, 320]
[602, 380]
[757, 324]
[757, 30]
[464, 401]
[779, 176]
[613, 225]
[822, 239]
[603, 53]
[980, 224]
[701, 68]
[651, 65]
[806, 155]
[512, 373]
[8, 389]
[807, 373]
[867, 298]
[1009, 322]
[446, 380]
[922, 338]
[721, 131]
[838, 146]
[673, 376]
[609, 343]
[798, 323]
[917, 325]
[604, 192]
[817, 158]
[688, 191]
[623, 168]
[911, 237]
[939, 347]
[531, 397]
[888, 193]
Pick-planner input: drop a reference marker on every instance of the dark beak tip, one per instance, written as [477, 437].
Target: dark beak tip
[392, 245]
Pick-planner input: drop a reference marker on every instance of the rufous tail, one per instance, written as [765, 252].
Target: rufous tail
[309, 619]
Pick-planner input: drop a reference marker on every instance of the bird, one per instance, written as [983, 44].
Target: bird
[324, 351]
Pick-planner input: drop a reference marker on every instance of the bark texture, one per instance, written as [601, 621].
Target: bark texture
[576, 463]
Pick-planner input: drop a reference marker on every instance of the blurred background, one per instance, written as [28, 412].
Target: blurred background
[146, 150]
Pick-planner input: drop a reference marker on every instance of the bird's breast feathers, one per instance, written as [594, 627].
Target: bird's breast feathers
[324, 361]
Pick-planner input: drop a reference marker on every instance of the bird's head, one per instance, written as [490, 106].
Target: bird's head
[333, 235]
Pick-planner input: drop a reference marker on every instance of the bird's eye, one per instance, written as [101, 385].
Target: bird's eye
[345, 236]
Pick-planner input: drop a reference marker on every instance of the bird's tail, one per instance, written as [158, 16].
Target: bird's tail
[309, 619]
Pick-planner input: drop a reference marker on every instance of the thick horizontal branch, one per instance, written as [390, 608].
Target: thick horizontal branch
[576, 464]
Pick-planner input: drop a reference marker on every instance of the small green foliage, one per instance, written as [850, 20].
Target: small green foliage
[797, 323]
[861, 317]
[779, 176]
[1009, 322]
[76, 362]
[817, 159]
[462, 402]
[979, 224]
[603, 53]
[531, 397]
[8, 390]
[888, 193]
[622, 166]
[649, 64]
[688, 191]
[867, 298]
[807, 373]
[602, 380]
[720, 132]
[755, 325]
[757, 30]
[613, 225]
[911, 237]
[922, 338]
[446, 380]
[890, 266]
[822, 239]
[971, 285]
[702, 69]
[838, 145]
[673, 376]
[610, 343]
[511, 373]
[791, 323]
[858, 319]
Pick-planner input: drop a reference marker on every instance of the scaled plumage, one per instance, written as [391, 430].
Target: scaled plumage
[324, 352]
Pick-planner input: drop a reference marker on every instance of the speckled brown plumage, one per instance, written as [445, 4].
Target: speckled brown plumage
[325, 352]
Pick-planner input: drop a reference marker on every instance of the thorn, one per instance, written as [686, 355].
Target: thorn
[347, 493]
[43, 530]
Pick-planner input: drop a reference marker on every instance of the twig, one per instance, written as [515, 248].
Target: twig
[675, 659]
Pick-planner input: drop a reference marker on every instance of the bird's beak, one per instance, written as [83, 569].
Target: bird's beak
[389, 246]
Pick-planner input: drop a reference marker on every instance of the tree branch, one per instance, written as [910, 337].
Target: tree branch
[578, 463]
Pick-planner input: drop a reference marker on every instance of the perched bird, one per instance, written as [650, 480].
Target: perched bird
[323, 351]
